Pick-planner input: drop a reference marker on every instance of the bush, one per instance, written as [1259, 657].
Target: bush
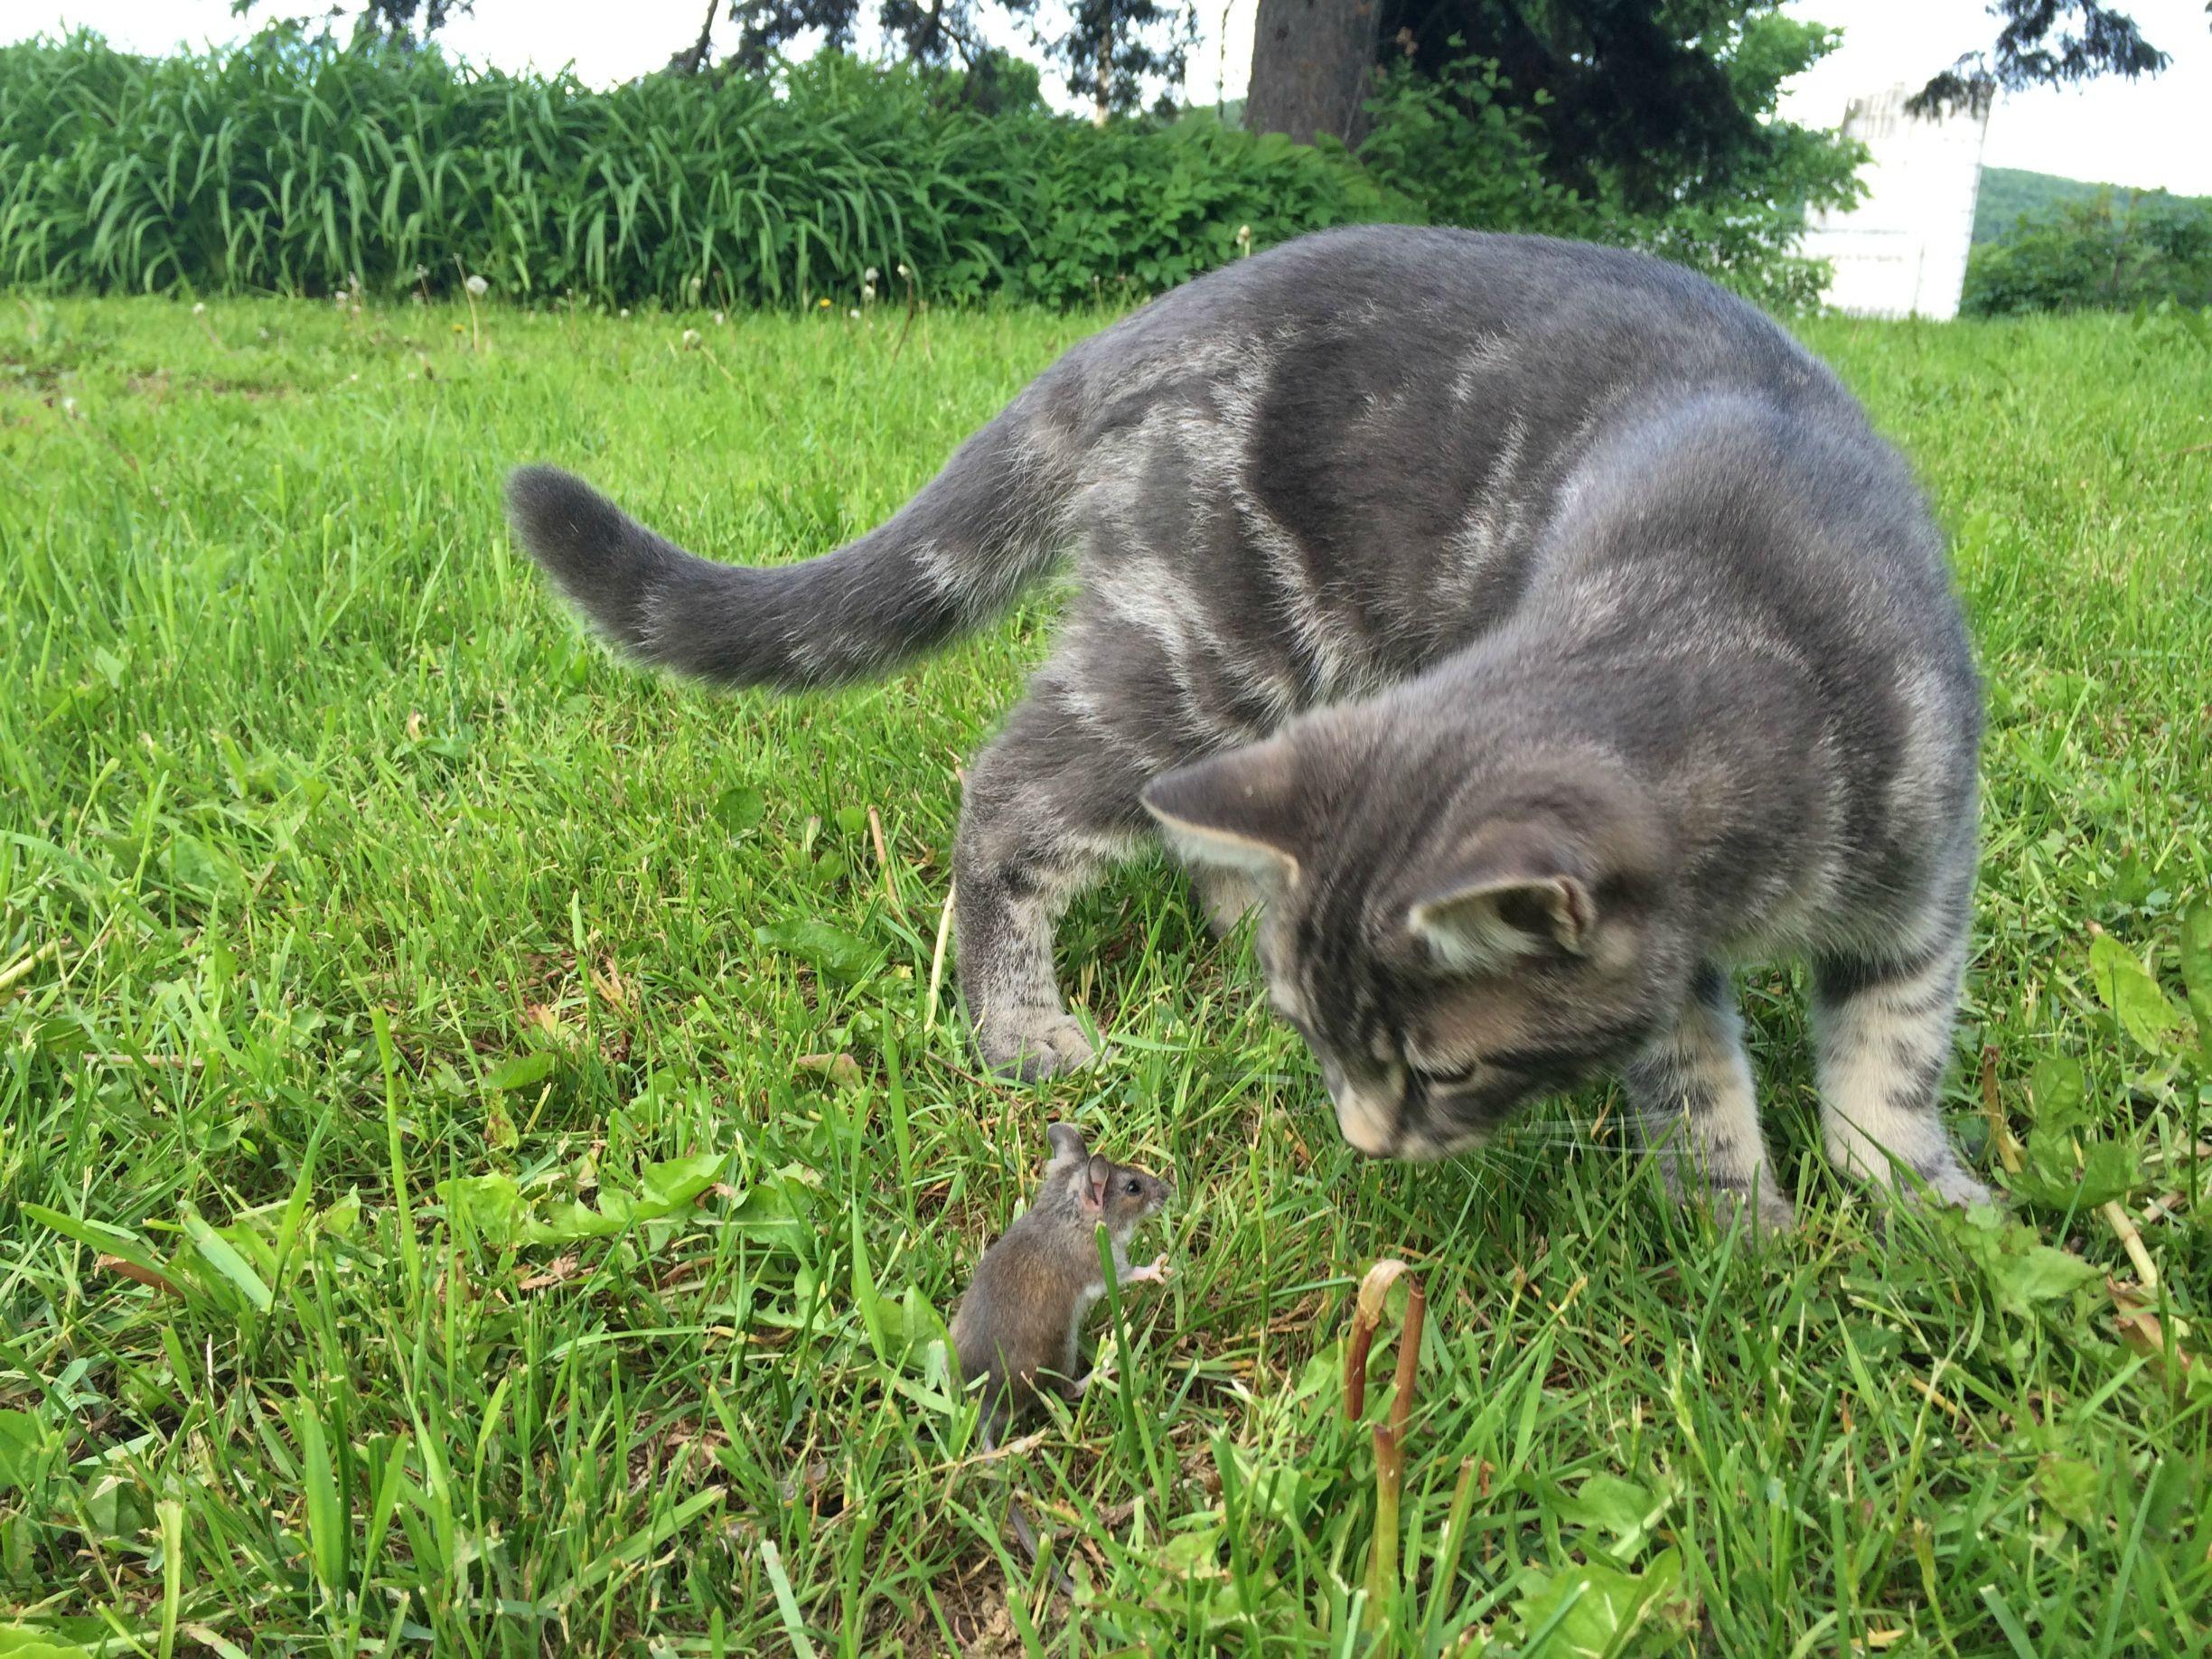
[2095, 255]
[292, 165]
[1458, 147]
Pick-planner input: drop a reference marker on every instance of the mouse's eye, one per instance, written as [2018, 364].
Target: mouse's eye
[1131, 1188]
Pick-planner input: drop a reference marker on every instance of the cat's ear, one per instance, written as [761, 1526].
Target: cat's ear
[1244, 810]
[1516, 898]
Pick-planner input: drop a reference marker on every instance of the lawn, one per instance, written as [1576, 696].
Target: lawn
[481, 1136]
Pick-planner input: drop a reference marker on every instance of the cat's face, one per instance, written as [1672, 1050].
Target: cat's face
[1447, 962]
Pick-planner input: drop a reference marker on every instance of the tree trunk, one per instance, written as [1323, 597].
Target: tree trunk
[1310, 73]
[1105, 70]
[693, 58]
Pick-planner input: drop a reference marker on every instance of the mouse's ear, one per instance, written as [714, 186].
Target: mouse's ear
[1097, 1175]
[1067, 1145]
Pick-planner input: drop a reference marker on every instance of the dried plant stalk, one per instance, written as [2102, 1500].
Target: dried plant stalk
[1365, 1316]
[1389, 1436]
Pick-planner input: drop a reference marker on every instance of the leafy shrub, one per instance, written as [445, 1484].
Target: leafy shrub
[292, 165]
[1465, 153]
[297, 166]
[2096, 254]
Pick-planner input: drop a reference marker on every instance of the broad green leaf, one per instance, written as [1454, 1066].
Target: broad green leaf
[1193, 1553]
[740, 810]
[2125, 986]
[1594, 1611]
[2069, 1486]
[341, 1218]
[680, 1180]
[503, 1214]
[1605, 1502]
[566, 1223]
[118, 1508]
[22, 1447]
[2061, 1093]
[2051, 1174]
[521, 1071]
[16, 1643]
[2041, 1273]
[920, 1325]
[2020, 1268]
[2197, 971]
[490, 1203]
[837, 953]
[766, 1214]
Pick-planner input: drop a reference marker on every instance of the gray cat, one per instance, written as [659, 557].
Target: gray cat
[1530, 630]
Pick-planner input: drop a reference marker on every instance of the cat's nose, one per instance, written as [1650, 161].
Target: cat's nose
[1367, 1124]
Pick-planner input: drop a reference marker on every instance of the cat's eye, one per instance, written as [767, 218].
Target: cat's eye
[1450, 1076]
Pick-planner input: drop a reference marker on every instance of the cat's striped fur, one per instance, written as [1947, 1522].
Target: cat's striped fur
[1532, 629]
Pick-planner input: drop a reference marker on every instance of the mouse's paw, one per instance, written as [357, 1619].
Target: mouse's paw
[1155, 1274]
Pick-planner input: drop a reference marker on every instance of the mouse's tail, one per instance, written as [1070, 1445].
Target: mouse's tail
[1026, 1535]
[1025, 1531]
[951, 558]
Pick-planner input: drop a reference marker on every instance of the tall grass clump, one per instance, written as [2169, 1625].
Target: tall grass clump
[293, 165]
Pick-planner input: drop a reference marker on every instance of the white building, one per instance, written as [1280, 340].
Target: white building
[1902, 250]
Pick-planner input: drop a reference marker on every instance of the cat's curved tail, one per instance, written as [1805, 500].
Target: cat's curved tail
[952, 558]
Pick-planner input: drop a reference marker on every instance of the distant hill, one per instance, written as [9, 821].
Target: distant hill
[2007, 192]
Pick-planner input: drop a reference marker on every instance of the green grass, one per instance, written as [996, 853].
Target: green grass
[387, 922]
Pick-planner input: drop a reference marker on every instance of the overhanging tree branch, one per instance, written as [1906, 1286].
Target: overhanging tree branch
[2043, 42]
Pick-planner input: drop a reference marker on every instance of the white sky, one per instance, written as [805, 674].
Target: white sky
[2147, 133]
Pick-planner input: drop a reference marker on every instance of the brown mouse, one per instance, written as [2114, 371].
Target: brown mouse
[1018, 1325]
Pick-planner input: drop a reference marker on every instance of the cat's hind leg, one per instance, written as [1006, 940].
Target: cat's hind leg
[1692, 1091]
[1884, 1032]
[1049, 805]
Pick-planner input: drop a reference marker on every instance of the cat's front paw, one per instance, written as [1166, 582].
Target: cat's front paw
[1034, 1044]
[1760, 1198]
[1769, 1214]
[1947, 1183]
[1773, 1213]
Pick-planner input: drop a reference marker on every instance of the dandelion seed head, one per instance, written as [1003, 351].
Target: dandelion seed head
[198, 308]
[477, 287]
